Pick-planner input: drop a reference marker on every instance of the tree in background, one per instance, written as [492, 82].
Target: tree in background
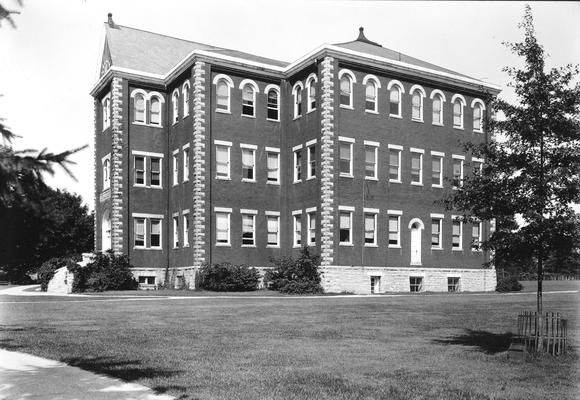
[535, 171]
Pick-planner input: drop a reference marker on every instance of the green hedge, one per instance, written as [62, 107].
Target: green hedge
[295, 276]
[508, 284]
[226, 277]
[107, 272]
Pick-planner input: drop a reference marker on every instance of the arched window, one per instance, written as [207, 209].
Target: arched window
[417, 95]
[175, 104]
[106, 231]
[106, 173]
[185, 91]
[395, 89]
[458, 102]
[155, 111]
[346, 85]
[311, 92]
[478, 108]
[106, 112]
[223, 85]
[371, 96]
[139, 105]
[297, 93]
[249, 90]
[273, 103]
[438, 99]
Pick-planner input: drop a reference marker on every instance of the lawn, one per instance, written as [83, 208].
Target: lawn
[400, 347]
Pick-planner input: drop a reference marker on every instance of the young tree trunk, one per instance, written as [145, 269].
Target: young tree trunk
[539, 306]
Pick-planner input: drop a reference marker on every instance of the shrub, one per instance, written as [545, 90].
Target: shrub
[107, 272]
[47, 269]
[226, 277]
[508, 284]
[295, 276]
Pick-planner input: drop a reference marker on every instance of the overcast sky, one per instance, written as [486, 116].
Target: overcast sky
[48, 64]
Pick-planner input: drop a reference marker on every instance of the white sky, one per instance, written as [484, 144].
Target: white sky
[48, 64]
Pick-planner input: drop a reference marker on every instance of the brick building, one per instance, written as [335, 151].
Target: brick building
[205, 154]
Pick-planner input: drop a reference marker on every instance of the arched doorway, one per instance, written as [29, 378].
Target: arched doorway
[106, 231]
[416, 226]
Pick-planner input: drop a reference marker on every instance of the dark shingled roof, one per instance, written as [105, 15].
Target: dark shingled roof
[158, 54]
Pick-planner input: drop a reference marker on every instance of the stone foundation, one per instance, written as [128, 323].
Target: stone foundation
[339, 279]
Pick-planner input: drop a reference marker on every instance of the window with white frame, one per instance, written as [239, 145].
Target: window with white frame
[458, 102]
[417, 96]
[395, 89]
[416, 167]
[273, 222]
[311, 92]
[297, 94]
[185, 230]
[139, 108]
[311, 219]
[106, 171]
[416, 283]
[222, 159]
[224, 85]
[476, 236]
[222, 230]
[436, 169]
[297, 165]
[370, 228]
[185, 164]
[248, 230]
[372, 85]
[345, 157]
[139, 227]
[371, 155]
[186, 95]
[249, 90]
[395, 164]
[139, 176]
[175, 232]
[273, 104]
[477, 118]
[436, 233]
[457, 171]
[347, 80]
[155, 233]
[394, 231]
[155, 172]
[106, 111]
[437, 109]
[175, 104]
[273, 165]
[457, 234]
[248, 164]
[155, 111]
[345, 232]
[175, 162]
[297, 237]
[311, 155]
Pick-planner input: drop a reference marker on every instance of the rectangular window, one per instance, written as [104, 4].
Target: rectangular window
[416, 168]
[370, 229]
[222, 222]
[139, 170]
[452, 284]
[273, 161]
[155, 233]
[346, 227]
[185, 230]
[416, 283]
[311, 228]
[175, 170]
[476, 236]
[147, 280]
[370, 162]
[155, 172]
[437, 171]
[248, 165]
[345, 163]
[273, 230]
[297, 230]
[375, 284]
[175, 232]
[222, 161]
[297, 165]
[436, 242]
[457, 172]
[394, 165]
[248, 230]
[394, 231]
[185, 165]
[457, 235]
[139, 232]
[311, 162]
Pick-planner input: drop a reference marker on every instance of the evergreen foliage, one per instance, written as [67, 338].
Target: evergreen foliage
[47, 269]
[108, 271]
[225, 277]
[295, 276]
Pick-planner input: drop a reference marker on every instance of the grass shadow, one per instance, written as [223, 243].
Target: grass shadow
[486, 342]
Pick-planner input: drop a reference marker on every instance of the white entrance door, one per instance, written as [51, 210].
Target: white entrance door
[415, 244]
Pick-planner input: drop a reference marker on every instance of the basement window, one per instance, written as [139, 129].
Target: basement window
[453, 284]
[416, 283]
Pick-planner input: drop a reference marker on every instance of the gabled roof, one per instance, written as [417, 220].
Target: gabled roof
[153, 53]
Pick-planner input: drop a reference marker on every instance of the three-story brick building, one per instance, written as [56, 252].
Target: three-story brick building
[205, 155]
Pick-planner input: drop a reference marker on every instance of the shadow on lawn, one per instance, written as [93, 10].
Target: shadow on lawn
[487, 342]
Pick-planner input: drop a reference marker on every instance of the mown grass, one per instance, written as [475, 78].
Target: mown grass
[402, 347]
